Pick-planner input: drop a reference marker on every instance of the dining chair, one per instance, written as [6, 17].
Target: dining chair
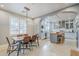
[26, 43]
[34, 39]
[11, 46]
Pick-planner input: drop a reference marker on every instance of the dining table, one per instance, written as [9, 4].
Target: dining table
[19, 41]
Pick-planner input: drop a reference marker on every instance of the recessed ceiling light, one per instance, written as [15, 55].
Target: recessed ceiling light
[2, 6]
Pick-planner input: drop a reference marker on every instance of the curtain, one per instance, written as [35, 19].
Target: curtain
[18, 24]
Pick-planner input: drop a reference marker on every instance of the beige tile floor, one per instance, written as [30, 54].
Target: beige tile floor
[47, 49]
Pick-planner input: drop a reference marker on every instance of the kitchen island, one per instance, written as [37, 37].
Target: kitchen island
[57, 37]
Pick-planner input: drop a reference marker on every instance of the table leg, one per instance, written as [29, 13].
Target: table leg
[19, 48]
[37, 41]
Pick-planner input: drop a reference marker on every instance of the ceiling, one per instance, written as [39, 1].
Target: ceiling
[36, 9]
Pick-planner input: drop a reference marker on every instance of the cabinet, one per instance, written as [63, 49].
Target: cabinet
[67, 24]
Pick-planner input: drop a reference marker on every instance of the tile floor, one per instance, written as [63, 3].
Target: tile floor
[47, 49]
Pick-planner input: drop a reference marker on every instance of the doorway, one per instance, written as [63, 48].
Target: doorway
[45, 28]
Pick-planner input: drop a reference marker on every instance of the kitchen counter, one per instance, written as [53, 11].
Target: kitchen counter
[75, 52]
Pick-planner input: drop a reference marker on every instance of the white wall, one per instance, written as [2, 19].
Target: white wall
[4, 26]
[36, 25]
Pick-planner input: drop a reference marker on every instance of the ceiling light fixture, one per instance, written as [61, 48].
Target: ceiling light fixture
[26, 8]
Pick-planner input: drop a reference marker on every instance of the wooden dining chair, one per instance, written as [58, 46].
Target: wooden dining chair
[26, 40]
[26, 43]
[11, 46]
[34, 39]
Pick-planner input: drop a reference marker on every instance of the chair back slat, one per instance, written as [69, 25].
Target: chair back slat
[8, 41]
[34, 37]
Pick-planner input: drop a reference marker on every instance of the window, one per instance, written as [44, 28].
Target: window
[22, 26]
[17, 25]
